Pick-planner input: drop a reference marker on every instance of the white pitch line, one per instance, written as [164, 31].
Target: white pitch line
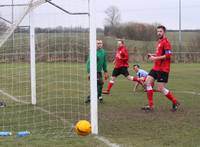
[106, 141]
[103, 139]
[100, 138]
[38, 108]
[189, 92]
[13, 98]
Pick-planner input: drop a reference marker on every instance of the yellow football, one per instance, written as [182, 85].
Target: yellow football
[83, 127]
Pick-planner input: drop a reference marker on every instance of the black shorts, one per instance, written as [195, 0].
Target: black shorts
[160, 76]
[99, 78]
[118, 71]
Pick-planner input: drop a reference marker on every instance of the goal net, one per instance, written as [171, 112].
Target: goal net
[61, 50]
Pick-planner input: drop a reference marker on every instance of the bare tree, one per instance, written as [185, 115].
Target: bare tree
[113, 16]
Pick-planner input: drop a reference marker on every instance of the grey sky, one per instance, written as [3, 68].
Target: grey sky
[148, 11]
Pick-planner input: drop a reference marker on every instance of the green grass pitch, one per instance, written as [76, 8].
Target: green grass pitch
[120, 118]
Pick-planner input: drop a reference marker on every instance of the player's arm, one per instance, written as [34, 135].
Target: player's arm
[167, 55]
[135, 87]
[88, 65]
[154, 58]
[149, 54]
[105, 67]
[88, 68]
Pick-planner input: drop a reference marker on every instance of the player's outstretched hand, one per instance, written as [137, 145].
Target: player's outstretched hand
[152, 58]
[148, 56]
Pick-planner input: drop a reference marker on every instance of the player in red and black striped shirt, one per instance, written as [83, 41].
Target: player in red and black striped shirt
[160, 70]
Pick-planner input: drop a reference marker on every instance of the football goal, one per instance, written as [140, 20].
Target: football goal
[44, 45]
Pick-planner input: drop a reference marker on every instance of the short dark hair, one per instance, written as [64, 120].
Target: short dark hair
[162, 27]
[121, 40]
[136, 65]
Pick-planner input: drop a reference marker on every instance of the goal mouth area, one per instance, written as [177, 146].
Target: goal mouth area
[61, 50]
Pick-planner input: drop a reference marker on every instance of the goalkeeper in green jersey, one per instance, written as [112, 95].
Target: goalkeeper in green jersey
[101, 65]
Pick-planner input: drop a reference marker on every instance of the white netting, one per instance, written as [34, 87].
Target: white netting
[61, 51]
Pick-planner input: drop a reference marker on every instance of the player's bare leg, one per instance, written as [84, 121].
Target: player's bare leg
[169, 95]
[110, 84]
[139, 81]
[135, 79]
[148, 84]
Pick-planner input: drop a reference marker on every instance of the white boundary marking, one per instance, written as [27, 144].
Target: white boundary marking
[12, 97]
[100, 138]
[188, 92]
[36, 107]
[106, 141]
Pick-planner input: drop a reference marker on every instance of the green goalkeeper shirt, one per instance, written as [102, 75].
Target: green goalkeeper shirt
[101, 61]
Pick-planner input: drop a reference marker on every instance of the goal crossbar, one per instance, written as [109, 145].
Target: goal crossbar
[68, 12]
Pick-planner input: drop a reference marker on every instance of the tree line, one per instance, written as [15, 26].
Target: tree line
[132, 31]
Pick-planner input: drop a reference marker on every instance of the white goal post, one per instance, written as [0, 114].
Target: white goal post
[93, 69]
[32, 58]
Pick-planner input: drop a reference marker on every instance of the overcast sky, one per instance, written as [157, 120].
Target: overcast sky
[148, 11]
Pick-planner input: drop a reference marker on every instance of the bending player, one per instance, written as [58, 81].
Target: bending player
[160, 70]
[140, 78]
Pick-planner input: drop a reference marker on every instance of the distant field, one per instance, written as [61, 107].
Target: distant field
[188, 39]
[64, 41]
[120, 118]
